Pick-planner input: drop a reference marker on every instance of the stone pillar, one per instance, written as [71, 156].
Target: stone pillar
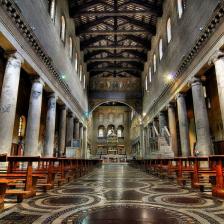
[33, 121]
[203, 144]
[69, 129]
[8, 101]
[62, 130]
[172, 128]
[218, 60]
[183, 125]
[81, 139]
[50, 126]
[154, 124]
[85, 143]
[142, 141]
[162, 122]
[76, 134]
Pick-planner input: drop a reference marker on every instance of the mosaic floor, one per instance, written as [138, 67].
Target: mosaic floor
[117, 194]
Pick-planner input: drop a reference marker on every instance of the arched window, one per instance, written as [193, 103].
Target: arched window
[80, 73]
[168, 30]
[101, 131]
[22, 126]
[154, 63]
[146, 83]
[120, 132]
[70, 47]
[160, 49]
[150, 75]
[76, 62]
[180, 8]
[63, 26]
[52, 9]
[110, 130]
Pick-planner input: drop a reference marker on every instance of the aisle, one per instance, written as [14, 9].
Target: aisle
[117, 194]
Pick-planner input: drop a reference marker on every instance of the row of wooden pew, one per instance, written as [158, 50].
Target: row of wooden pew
[204, 173]
[23, 176]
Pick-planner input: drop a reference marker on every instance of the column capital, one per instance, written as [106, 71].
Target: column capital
[38, 79]
[215, 57]
[13, 54]
[171, 105]
[180, 94]
[63, 107]
[195, 81]
[76, 120]
[70, 114]
[52, 95]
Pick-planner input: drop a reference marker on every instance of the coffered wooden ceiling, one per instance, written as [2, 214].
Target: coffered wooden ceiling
[115, 35]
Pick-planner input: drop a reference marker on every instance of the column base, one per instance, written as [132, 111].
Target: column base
[218, 192]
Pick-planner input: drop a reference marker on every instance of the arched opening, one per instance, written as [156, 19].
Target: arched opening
[160, 48]
[180, 8]
[70, 47]
[52, 8]
[120, 131]
[168, 30]
[63, 27]
[154, 63]
[101, 131]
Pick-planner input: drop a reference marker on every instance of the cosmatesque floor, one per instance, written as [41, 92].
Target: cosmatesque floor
[117, 194]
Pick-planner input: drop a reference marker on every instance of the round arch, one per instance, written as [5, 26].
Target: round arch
[109, 101]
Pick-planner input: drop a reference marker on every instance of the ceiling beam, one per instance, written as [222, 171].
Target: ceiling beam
[136, 65]
[86, 43]
[133, 73]
[146, 26]
[124, 59]
[74, 8]
[143, 41]
[89, 55]
[112, 32]
[140, 55]
[115, 47]
[83, 28]
[156, 9]
[113, 13]
[114, 69]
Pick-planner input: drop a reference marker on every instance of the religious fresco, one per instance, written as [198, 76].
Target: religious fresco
[118, 84]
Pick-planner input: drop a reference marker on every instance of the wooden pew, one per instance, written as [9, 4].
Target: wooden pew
[19, 175]
[217, 163]
[200, 175]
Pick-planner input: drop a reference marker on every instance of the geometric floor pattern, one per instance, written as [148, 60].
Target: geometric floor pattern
[117, 194]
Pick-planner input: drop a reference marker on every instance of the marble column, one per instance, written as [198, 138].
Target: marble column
[8, 101]
[218, 60]
[155, 126]
[50, 126]
[33, 121]
[172, 128]
[162, 122]
[81, 138]
[183, 125]
[142, 142]
[85, 143]
[203, 144]
[76, 134]
[69, 129]
[62, 130]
